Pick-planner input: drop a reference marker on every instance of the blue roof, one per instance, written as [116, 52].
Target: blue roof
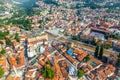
[69, 52]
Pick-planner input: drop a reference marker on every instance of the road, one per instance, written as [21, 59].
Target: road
[90, 48]
[26, 59]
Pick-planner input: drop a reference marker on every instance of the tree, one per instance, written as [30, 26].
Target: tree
[106, 35]
[23, 23]
[8, 42]
[94, 42]
[17, 37]
[17, 60]
[2, 52]
[72, 6]
[78, 5]
[48, 62]
[3, 34]
[115, 36]
[107, 46]
[40, 21]
[1, 72]
[40, 26]
[96, 51]
[1, 42]
[68, 46]
[48, 72]
[80, 73]
[48, 19]
[101, 52]
[118, 61]
[74, 37]
[87, 58]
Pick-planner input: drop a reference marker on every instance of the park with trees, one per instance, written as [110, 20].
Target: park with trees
[80, 73]
[48, 72]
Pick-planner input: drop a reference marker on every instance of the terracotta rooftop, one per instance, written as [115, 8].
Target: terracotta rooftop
[86, 68]
[41, 57]
[65, 74]
[46, 53]
[58, 70]
[42, 62]
[13, 62]
[102, 72]
[27, 78]
[36, 39]
[81, 54]
[71, 59]
[29, 73]
[3, 62]
[99, 30]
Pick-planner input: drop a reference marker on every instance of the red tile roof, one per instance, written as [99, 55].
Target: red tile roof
[81, 54]
[3, 62]
[13, 62]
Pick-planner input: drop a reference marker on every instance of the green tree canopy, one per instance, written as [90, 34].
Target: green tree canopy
[8, 42]
[17, 37]
[80, 73]
[17, 59]
[87, 58]
[74, 37]
[106, 35]
[94, 42]
[101, 52]
[40, 26]
[68, 45]
[1, 42]
[118, 61]
[21, 22]
[40, 21]
[96, 51]
[48, 72]
[1, 72]
[2, 52]
[3, 34]
[115, 36]
[2, 8]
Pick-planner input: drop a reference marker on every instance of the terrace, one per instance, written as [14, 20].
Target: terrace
[95, 63]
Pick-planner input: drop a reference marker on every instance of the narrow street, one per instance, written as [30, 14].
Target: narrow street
[26, 59]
